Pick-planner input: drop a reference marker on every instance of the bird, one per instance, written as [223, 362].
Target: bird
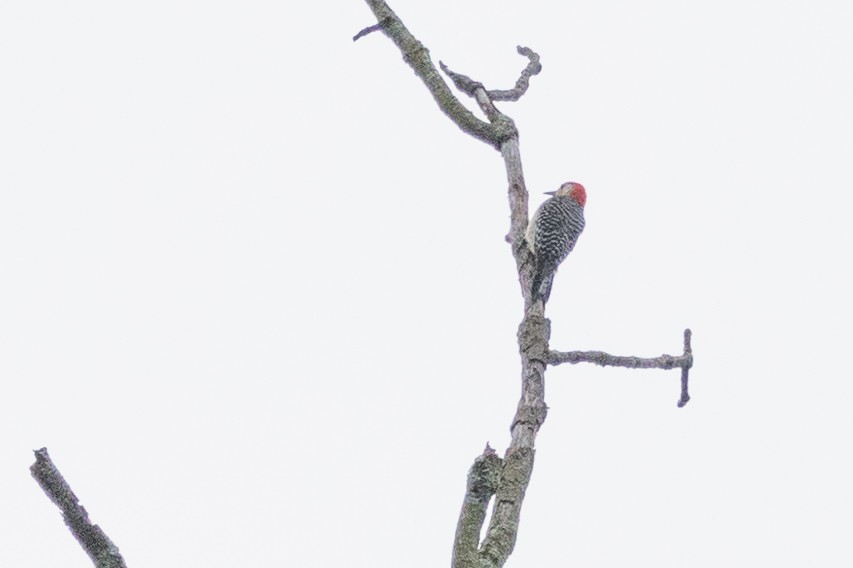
[552, 235]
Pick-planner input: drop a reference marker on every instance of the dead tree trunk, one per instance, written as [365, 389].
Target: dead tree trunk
[504, 479]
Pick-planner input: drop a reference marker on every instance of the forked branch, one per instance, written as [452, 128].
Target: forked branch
[417, 57]
[483, 480]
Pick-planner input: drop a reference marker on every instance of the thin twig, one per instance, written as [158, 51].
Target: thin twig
[369, 30]
[98, 546]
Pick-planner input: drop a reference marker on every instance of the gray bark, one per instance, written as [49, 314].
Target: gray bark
[503, 479]
[95, 542]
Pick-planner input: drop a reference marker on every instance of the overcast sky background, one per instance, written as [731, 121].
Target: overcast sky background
[255, 298]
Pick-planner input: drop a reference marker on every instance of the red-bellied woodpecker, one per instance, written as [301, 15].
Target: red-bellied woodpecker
[552, 235]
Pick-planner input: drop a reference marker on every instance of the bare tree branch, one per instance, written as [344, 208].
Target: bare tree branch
[468, 85]
[507, 479]
[417, 57]
[98, 546]
[512, 159]
[533, 334]
[684, 362]
[463, 82]
[369, 30]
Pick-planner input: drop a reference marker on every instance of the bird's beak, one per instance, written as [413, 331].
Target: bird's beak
[550, 192]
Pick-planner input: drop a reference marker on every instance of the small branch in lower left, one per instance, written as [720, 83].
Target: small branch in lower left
[95, 542]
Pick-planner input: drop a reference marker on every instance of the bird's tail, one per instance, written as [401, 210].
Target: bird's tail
[540, 287]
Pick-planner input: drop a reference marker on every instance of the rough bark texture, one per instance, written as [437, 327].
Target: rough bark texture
[98, 546]
[417, 57]
[483, 479]
[506, 479]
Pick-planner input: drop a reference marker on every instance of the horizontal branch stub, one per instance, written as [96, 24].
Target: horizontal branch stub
[684, 362]
[371, 29]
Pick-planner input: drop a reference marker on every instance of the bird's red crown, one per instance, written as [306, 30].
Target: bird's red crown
[574, 190]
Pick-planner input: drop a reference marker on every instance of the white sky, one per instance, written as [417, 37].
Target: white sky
[255, 298]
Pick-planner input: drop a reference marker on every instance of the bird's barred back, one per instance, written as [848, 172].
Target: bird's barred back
[559, 222]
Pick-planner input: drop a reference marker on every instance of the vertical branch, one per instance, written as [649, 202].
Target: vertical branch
[518, 212]
[483, 478]
[517, 190]
[533, 335]
[685, 369]
[512, 474]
